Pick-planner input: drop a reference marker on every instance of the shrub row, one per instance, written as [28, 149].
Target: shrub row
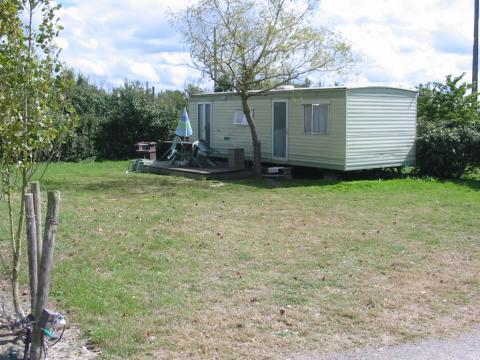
[110, 123]
[447, 152]
[448, 132]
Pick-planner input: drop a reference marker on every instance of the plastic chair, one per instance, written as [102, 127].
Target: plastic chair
[172, 152]
[200, 154]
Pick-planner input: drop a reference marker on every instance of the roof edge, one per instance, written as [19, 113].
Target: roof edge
[381, 87]
[333, 88]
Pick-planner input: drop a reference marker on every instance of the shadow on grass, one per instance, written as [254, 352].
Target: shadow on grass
[266, 183]
[128, 185]
[471, 183]
[305, 177]
[133, 184]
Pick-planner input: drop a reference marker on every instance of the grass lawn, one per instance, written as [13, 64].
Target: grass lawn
[164, 267]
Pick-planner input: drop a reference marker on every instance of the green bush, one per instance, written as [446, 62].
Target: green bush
[91, 106]
[110, 123]
[134, 116]
[450, 103]
[448, 131]
[447, 152]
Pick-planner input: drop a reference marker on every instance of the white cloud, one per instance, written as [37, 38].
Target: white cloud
[145, 71]
[121, 40]
[405, 42]
[97, 68]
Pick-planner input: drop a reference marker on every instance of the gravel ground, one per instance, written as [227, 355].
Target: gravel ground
[74, 346]
[71, 346]
[464, 347]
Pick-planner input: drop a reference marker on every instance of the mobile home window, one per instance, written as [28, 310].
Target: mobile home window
[240, 119]
[316, 118]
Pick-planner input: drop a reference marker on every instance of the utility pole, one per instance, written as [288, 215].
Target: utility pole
[215, 74]
[475, 50]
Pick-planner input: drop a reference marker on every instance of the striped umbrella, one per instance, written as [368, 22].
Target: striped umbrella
[184, 128]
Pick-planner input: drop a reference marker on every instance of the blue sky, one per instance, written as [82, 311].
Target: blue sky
[403, 43]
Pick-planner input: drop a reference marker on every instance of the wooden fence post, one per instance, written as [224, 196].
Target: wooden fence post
[32, 248]
[37, 203]
[51, 222]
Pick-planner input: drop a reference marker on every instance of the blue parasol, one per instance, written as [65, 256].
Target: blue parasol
[184, 128]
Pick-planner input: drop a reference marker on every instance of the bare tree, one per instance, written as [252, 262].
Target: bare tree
[259, 45]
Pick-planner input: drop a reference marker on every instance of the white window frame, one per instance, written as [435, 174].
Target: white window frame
[327, 132]
[244, 118]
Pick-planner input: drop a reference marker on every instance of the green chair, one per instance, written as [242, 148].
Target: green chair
[200, 154]
[173, 153]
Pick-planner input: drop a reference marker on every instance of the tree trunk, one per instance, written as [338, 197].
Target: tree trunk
[475, 50]
[15, 290]
[17, 249]
[257, 155]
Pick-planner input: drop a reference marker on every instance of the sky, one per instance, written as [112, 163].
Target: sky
[402, 42]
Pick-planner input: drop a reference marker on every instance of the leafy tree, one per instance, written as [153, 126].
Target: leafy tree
[450, 103]
[91, 106]
[33, 111]
[306, 83]
[134, 117]
[448, 133]
[191, 89]
[224, 84]
[111, 123]
[259, 44]
[175, 98]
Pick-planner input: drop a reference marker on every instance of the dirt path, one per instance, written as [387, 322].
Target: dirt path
[464, 347]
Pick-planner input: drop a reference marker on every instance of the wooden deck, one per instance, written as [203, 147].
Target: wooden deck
[222, 173]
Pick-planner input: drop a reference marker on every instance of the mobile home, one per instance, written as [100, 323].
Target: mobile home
[332, 128]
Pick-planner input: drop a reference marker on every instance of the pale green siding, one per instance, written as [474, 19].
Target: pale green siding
[369, 127]
[319, 150]
[381, 126]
